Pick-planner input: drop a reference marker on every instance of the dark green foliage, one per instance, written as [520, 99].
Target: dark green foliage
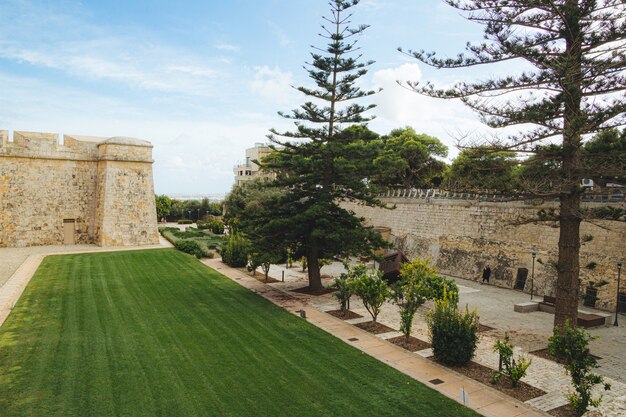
[189, 246]
[453, 335]
[479, 169]
[345, 284]
[321, 164]
[235, 250]
[206, 241]
[515, 370]
[407, 159]
[163, 206]
[571, 345]
[156, 333]
[215, 225]
[184, 221]
[573, 55]
[373, 291]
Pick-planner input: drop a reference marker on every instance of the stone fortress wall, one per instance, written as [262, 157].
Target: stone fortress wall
[102, 188]
[461, 236]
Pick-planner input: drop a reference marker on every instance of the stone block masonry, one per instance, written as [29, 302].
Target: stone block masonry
[82, 189]
[462, 236]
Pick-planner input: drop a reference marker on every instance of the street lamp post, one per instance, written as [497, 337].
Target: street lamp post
[620, 263]
[533, 252]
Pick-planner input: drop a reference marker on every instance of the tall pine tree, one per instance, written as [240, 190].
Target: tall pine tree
[576, 52]
[323, 163]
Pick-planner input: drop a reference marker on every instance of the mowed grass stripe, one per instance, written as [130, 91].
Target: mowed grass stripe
[145, 333]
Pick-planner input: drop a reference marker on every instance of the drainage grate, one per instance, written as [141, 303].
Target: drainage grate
[436, 381]
[353, 339]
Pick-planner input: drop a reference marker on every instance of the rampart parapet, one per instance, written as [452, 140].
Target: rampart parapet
[57, 189]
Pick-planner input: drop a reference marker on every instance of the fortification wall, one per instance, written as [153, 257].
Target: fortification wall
[104, 187]
[461, 236]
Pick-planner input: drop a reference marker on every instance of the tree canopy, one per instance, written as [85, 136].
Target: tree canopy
[571, 82]
[323, 163]
[410, 159]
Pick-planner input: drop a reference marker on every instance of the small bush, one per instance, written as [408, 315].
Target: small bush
[235, 250]
[373, 291]
[515, 370]
[571, 345]
[453, 335]
[345, 284]
[189, 246]
[184, 221]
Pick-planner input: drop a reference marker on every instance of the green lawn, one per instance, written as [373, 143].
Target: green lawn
[145, 333]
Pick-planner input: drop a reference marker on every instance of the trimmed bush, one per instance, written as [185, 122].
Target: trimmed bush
[184, 221]
[235, 250]
[189, 246]
[453, 335]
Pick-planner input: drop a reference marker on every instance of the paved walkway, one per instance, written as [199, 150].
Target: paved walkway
[529, 331]
[482, 398]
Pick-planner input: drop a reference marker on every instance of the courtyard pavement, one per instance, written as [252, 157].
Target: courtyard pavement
[528, 332]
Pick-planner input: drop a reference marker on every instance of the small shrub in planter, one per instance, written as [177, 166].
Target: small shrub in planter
[454, 335]
[373, 291]
[571, 345]
[515, 370]
[184, 221]
[189, 246]
[235, 250]
[345, 284]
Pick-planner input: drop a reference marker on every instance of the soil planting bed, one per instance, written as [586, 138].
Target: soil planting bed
[345, 315]
[414, 344]
[543, 353]
[480, 373]
[306, 290]
[375, 328]
[258, 276]
[483, 328]
[562, 411]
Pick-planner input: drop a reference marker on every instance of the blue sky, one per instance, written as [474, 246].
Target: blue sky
[203, 80]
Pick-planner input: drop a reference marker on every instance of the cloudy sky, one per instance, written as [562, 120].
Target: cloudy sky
[203, 80]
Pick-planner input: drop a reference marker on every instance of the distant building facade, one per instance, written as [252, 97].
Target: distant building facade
[249, 170]
[75, 190]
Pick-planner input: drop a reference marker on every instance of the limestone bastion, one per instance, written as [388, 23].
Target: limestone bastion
[75, 190]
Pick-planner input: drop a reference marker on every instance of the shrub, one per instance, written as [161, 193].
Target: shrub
[189, 246]
[235, 250]
[571, 345]
[514, 370]
[345, 284]
[373, 291]
[415, 294]
[453, 335]
[184, 221]
[214, 225]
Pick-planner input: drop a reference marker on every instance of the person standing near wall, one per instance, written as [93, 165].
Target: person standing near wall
[486, 274]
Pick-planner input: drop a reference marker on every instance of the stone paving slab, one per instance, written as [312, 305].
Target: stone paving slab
[483, 399]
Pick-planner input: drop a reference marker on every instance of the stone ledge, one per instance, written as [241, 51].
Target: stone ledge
[527, 307]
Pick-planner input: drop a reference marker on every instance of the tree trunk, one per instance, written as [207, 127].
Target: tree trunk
[315, 278]
[567, 284]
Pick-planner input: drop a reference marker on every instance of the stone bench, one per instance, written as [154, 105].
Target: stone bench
[527, 307]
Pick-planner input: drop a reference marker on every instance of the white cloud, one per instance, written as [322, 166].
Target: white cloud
[280, 34]
[227, 47]
[397, 107]
[273, 84]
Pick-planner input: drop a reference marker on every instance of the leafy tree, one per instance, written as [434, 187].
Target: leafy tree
[321, 164]
[572, 60]
[345, 284]
[163, 206]
[408, 159]
[373, 291]
[479, 169]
